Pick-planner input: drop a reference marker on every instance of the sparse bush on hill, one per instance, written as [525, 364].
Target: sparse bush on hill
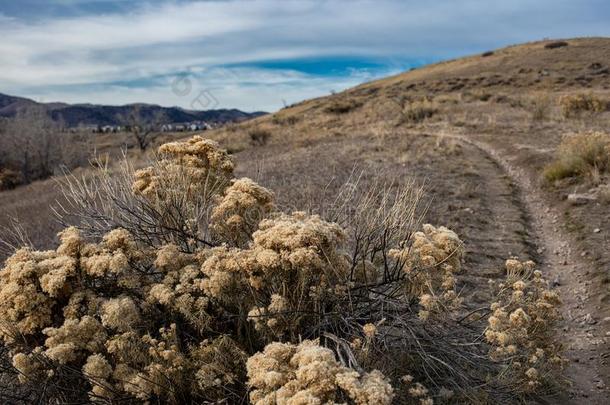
[9, 179]
[540, 106]
[278, 119]
[343, 106]
[574, 105]
[580, 155]
[481, 95]
[259, 136]
[555, 44]
[417, 111]
[184, 284]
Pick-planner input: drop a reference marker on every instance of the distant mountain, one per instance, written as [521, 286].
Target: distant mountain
[74, 115]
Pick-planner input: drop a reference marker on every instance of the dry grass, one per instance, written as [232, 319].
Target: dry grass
[343, 106]
[575, 105]
[418, 111]
[259, 136]
[584, 154]
[540, 106]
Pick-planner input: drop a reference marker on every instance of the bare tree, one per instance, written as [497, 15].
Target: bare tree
[144, 129]
[36, 146]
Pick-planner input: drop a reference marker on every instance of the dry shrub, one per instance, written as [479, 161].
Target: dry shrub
[580, 155]
[540, 106]
[555, 45]
[9, 179]
[278, 119]
[259, 136]
[480, 95]
[174, 306]
[343, 106]
[574, 105]
[452, 99]
[521, 328]
[169, 202]
[418, 111]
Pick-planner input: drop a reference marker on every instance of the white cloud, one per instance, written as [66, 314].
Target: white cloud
[249, 89]
[162, 39]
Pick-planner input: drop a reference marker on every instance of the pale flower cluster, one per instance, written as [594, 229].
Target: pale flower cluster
[292, 264]
[121, 314]
[309, 374]
[74, 340]
[25, 308]
[431, 262]
[243, 205]
[575, 104]
[520, 327]
[199, 160]
[103, 324]
[180, 290]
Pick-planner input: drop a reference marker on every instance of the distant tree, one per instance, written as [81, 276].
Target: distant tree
[36, 146]
[144, 129]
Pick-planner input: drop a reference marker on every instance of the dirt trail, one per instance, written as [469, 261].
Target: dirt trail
[584, 336]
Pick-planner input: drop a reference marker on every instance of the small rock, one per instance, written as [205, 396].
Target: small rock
[588, 319]
[556, 281]
[583, 254]
[596, 230]
[580, 199]
[600, 385]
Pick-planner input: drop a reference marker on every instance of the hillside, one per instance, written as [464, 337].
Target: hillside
[478, 133]
[92, 114]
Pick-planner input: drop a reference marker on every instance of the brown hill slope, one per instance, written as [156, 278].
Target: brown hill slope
[579, 63]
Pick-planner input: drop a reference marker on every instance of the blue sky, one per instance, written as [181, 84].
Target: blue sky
[255, 54]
